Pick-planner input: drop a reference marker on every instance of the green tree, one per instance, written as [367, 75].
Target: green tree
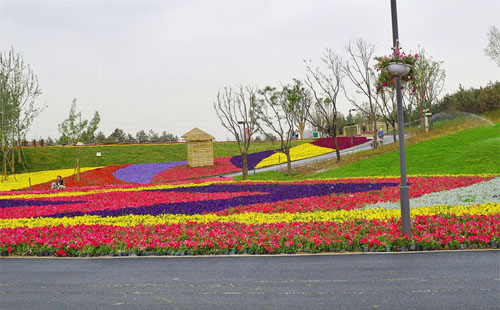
[130, 138]
[153, 136]
[118, 135]
[100, 137]
[168, 137]
[89, 133]
[280, 111]
[74, 129]
[489, 97]
[141, 136]
[493, 48]
[301, 98]
[429, 83]
[19, 90]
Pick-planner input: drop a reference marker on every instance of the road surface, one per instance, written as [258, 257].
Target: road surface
[416, 280]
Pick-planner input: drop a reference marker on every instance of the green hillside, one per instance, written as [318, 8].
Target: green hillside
[49, 158]
[471, 151]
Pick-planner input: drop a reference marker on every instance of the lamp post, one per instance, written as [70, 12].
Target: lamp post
[350, 115]
[244, 136]
[351, 122]
[404, 193]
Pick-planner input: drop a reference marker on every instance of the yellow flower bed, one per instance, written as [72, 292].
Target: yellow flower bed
[255, 218]
[108, 190]
[298, 152]
[22, 180]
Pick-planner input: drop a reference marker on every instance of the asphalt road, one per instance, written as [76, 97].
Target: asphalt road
[310, 160]
[418, 280]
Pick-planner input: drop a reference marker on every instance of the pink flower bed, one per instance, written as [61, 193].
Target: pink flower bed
[343, 142]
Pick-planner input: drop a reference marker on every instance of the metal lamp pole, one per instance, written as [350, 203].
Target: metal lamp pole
[350, 115]
[404, 193]
[351, 121]
[244, 131]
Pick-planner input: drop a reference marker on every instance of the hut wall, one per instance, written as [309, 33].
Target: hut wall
[200, 153]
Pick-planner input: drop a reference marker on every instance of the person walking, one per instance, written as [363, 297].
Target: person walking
[381, 137]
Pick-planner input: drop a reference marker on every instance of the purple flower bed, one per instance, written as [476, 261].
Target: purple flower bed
[10, 203]
[252, 159]
[144, 173]
[273, 193]
[343, 142]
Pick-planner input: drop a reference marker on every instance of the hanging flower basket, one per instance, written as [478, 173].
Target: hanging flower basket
[391, 67]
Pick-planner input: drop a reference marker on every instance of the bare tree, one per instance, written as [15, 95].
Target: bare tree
[493, 48]
[325, 87]
[358, 69]
[388, 109]
[280, 111]
[237, 112]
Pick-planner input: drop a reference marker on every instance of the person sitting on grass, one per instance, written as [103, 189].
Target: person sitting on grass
[59, 184]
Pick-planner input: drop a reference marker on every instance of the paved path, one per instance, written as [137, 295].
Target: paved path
[418, 280]
[306, 161]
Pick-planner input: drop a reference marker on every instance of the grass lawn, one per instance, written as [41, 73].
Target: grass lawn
[471, 151]
[49, 158]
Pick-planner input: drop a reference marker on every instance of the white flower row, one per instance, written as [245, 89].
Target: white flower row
[483, 192]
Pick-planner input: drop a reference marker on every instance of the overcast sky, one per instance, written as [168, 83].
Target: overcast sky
[159, 64]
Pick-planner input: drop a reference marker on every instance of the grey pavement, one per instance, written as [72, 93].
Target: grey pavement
[310, 160]
[418, 280]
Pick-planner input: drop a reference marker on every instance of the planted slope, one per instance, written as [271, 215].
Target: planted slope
[470, 151]
[52, 158]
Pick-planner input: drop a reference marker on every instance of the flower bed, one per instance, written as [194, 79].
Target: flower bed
[144, 173]
[298, 152]
[22, 180]
[240, 217]
[98, 176]
[342, 142]
[221, 165]
[306, 150]
[252, 159]
[428, 232]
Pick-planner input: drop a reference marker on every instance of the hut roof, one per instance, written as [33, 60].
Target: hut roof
[197, 134]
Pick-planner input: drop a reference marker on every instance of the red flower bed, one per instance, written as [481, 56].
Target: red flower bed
[343, 142]
[99, 176]
[221, 165]
[428, 232]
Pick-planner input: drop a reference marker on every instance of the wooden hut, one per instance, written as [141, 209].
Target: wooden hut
[200, 148]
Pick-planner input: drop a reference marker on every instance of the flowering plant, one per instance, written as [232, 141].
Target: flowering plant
[227, 217]
[387, 79]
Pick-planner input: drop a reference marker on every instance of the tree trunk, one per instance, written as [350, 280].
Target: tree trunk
[288, 163]
[19, 159]
[375, 130]
[421, 115]
[336, 145]
[302, 126]
[394, 132]
[12, 163]
[244, 168]
[4, 163]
